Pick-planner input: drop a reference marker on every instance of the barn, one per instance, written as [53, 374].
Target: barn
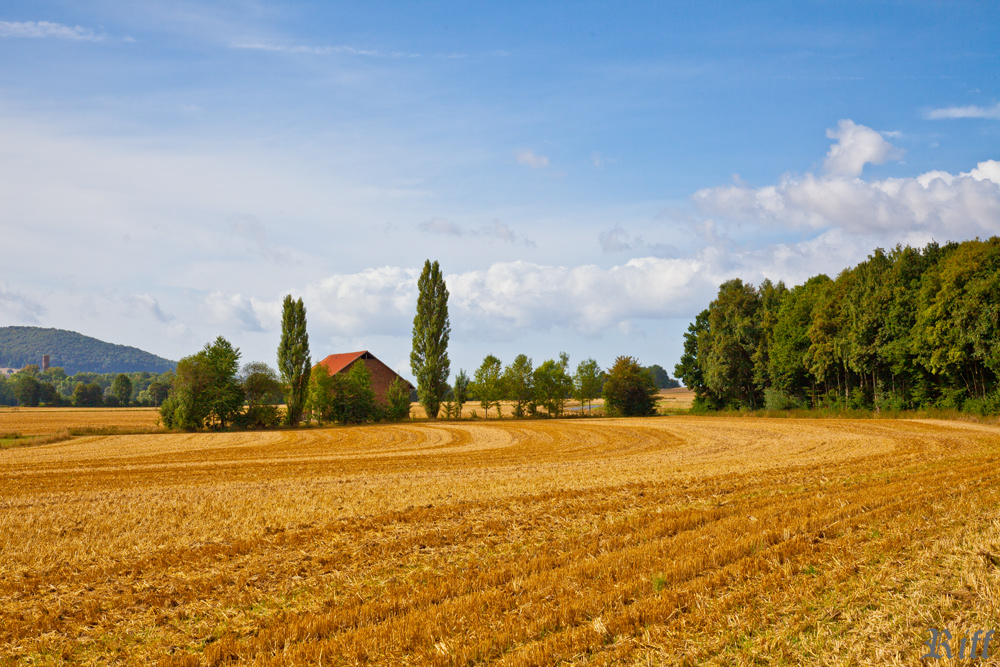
[382, 375]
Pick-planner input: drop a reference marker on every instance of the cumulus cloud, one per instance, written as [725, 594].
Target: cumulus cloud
[972, 111]
[499, 231]
[948, 205]
[530, 158]
[856, 146]
[374, 301]
[512, 297]
[234, 312]
[16, 307]
[46, 29]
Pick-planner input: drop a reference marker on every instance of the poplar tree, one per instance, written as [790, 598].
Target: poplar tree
[429, 358]
[294, 362]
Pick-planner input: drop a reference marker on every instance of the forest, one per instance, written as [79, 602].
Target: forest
[906, 329]
[74, 352]
[32, 387]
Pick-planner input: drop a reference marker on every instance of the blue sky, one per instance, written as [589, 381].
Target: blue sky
[586, 173]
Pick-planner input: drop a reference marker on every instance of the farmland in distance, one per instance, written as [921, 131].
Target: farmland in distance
[672, 540]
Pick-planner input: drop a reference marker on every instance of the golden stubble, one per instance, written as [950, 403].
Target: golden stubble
[642, 541]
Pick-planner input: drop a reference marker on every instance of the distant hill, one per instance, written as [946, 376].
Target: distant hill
[74, 352]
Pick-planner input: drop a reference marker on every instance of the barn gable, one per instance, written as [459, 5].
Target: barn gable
[382, 375]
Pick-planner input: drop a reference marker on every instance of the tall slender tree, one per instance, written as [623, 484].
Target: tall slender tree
[294, 362]
[431, 328]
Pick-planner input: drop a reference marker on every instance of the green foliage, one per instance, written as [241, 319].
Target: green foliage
[349, 397]
[294, 362]
[776, 399]
[487, 384]
[518, 385]
[911, 328]
[460, 392]
[74, 352]
[263, 392]
[589, 380]
[320, 396]
[27, 388]
[121, 389]
[88, 395]
[431, 330]
[158, 392]
[354, 398]
[206, 390]
[397, 398]
[553, 384]
[7, 393]
[661, 377]
[629, 390]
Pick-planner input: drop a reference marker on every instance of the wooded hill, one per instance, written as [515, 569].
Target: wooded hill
[910, 328]
[74, 352]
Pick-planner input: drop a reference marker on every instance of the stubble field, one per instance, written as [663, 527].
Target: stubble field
[673, 540]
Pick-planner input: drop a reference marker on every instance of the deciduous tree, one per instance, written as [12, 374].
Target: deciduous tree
[431, 330]
[553, 384]
[486, 385]
[587, 382]
[121, 389]
[629, 391]
[294, 362]
[519, 385]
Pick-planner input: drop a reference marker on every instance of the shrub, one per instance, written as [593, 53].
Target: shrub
[629, 390]
[776, 399]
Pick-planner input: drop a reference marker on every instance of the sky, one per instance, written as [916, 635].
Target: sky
[586, 173]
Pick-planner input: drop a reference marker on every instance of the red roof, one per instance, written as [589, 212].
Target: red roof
[338, 362]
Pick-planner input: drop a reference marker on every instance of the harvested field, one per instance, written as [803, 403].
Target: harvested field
[43, 421]
[678, 540]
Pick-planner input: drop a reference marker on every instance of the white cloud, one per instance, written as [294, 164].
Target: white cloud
[234, 312]
[43, 29]
[501, 231]
[972, 111]
[440, 226]
[496, 230]
[856, 146]
[374, 301]
[617, 239]
[18, 308]
[149, 305]
[937, 203]
[530, 158]
[951, 206]
[511, 297]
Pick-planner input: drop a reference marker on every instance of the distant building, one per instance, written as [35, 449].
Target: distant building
[45, 362]
[8, 371]
[382, 375]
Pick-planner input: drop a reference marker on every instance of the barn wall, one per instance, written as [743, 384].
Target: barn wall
[382, 377]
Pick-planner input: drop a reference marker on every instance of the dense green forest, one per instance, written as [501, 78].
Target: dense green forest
[33, 387]
[906, 329]
[74, 352]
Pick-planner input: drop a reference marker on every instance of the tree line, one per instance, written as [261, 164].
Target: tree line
[210, 389]
[31, 387]
[627, 388]
[906, 329]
